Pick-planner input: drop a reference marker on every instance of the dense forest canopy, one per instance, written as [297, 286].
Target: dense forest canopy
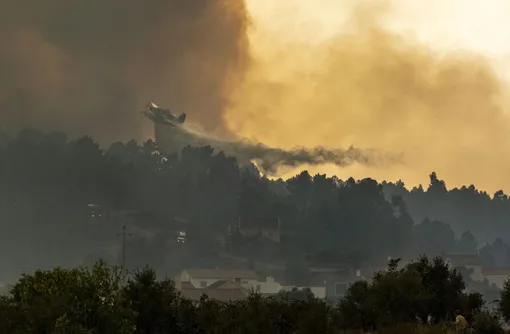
[49, 181]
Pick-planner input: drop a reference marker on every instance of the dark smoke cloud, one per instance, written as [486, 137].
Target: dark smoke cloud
[87, 66]
[268, 159]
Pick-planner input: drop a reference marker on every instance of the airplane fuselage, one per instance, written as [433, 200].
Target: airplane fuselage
[163, 116]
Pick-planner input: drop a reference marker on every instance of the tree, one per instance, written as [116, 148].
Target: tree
[487, 323]
[467, 244]
[420, 289]
[356, 309]
[76, 298]
[48, 180]
[504, 302]
[433, 237]
[295, 294]
[154, 302]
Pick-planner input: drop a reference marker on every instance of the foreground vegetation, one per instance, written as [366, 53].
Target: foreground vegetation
[422, 296]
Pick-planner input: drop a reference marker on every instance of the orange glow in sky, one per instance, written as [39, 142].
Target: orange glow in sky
[421, 78]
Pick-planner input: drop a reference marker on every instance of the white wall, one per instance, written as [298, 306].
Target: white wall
[201, 283]
[197, 283]
[269, 286]
[319, 291]
[498, 280]
[185, 276]
[248, 283]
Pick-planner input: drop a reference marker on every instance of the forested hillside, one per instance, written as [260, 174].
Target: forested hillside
[48, 181]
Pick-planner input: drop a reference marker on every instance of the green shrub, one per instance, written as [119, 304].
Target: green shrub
[487, 323]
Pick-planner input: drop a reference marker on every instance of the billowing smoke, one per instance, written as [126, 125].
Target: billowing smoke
[367, 84]
[86, 66]
[269, 160]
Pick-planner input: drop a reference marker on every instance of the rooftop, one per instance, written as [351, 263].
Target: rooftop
[223, 291]
[460, 260]
[223, 273]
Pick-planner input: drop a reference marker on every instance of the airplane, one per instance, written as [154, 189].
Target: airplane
[158, 119]
[163, 116]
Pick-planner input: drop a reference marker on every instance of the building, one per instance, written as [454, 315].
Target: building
[496, 276]
[233, 283]
[471, 262]
[335, 282]
[270, 286]
[322, 281]
[221, 290]
[203, 278]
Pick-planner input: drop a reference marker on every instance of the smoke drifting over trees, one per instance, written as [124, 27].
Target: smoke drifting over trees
[270, 160]
[88, 67]
[370, 86]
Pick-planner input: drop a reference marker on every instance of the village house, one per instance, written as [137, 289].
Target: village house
[335, 282]
[270, 286]
[202, 278]
[221, 290]
[471, 262]
[233, 283]
[496, 276]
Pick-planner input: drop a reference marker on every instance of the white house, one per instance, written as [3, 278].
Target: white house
[245, 278]
[469, 261]
[202, 278]
[267, 287]
[496, 276]
[270, 286]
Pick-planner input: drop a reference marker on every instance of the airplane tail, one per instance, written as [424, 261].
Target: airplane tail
[182, 117]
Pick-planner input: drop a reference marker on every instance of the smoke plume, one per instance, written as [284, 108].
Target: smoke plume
[269, 160]
[86, 67]
[371, 86]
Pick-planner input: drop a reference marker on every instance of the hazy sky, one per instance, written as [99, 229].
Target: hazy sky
[419, 77]
[442, 24]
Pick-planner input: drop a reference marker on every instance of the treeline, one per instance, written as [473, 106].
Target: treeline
[48, 181]
[464, 209]
[425, 294]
